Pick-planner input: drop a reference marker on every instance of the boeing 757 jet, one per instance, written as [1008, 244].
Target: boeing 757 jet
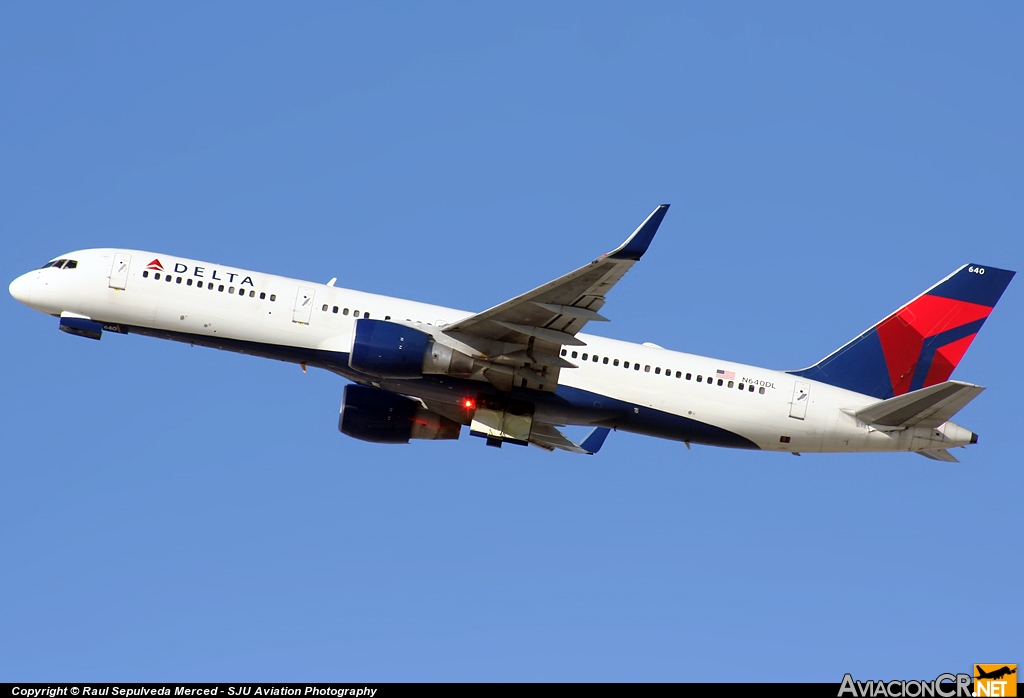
[517, 372]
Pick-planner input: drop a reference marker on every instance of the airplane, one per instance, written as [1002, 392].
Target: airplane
[995, 674]
[517, 372]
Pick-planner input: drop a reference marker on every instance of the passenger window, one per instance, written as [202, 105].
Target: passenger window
[252, 294]
[188, 282]
[679, 374]
[145, 274]
[221, 288]
[750, 388]
[584, 357]
[657, 371]
[167, 278]
[177, 280]
[355, 313]
[366, 316]
[625, 364]
[574, 355]
[564, 352]
[719, 381]
[325, 307]
[263, 296]
[688, 376]
[333, 310]
[615, 362]
[647, 369]
[760, 391]
[636, 367]
[231, 290]
[731, 384]
[699, 379]
[742, 387]
[156, 275]
[345, 311]
[605, 361]
[273, 297]
[387, 317]
[210, 286]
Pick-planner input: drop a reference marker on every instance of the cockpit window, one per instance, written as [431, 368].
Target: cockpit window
[61, 264]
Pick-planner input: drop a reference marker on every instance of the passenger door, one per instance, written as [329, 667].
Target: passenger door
[303, 305]
[119, 270]
[801, 396]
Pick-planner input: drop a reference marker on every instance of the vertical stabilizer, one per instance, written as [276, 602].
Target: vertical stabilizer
[920, 344]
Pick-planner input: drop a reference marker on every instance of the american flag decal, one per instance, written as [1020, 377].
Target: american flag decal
[726, 375]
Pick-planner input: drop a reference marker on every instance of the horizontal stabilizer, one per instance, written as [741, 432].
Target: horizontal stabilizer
[940, 454]
[928, 407]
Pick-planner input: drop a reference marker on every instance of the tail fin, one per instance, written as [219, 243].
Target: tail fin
[921, 343]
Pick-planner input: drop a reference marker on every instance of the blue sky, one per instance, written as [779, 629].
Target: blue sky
[179, 513]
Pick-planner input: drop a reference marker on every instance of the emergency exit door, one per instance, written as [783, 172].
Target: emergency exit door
[119, 270]
[801, 396]
[303, 305]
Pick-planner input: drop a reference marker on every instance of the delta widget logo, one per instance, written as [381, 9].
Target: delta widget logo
[155, 265]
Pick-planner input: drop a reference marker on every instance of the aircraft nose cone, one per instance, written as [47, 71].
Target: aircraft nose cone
[21, 288]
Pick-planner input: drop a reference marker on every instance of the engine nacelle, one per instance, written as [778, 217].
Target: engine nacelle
[387, 349]
[369, 414]
[391, 350]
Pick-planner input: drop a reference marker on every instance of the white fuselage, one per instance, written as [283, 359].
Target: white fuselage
[296, 320]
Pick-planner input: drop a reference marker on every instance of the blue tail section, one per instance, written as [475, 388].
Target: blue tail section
[920, 344]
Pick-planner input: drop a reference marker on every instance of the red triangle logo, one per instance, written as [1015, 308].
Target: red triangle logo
[155, 265]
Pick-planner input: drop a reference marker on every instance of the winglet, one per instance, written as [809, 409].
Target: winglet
[593, 443]
[640, 240]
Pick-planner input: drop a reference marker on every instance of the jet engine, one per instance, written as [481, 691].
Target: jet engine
[370, 414]
[392, 350]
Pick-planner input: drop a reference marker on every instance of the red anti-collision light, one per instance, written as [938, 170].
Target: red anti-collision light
[469, 403]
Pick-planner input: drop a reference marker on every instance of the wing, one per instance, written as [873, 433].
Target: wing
[549, 438]
[543, 435]
[522, 337]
